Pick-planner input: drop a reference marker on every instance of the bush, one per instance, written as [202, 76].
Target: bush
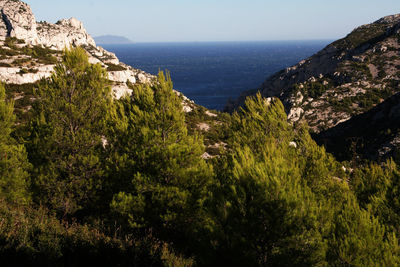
[25, 71]
[113, 67]
[311, 89]
[33, 237]
[2, 64]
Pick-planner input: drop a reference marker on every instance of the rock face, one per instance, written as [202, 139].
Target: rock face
[13, 75]
[47, 40]
[64, 33]
[18, 21]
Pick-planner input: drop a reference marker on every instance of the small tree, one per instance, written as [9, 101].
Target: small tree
[265, 214]
[358, 239]
[13, 158]
[158, 168]
[66, 137]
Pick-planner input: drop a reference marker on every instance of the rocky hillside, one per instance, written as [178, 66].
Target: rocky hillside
[29, 51]
[347, 78]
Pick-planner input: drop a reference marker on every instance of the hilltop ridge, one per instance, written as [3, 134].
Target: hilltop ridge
[347, 78]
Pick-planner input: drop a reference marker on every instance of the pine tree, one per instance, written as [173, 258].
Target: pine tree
[66, 138]
[162, 179]
[358, 239]
[377, 188]
[260, 121]
[13, 158]
[264, 213]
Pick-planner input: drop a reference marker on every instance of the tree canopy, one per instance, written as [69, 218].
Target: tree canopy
[91, 179]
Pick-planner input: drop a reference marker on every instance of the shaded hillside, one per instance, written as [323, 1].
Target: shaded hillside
[372, 135]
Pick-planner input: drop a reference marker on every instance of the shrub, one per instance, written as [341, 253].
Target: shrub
[113, 67]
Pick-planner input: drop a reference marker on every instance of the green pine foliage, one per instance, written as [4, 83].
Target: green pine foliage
[377, 189]
[261, 203]
[66, 134]
[14, 166]
[30, 236]
[123, 182]
[262, 194]
[160, 180]
[358, 239]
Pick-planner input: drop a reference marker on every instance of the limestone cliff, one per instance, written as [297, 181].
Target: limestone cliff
[29, 50]
[18, 21]
[64, 33]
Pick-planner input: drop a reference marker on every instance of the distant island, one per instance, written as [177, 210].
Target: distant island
[112, 39]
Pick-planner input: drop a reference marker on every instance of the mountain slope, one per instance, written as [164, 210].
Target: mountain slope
[346, 78]
[29, 51]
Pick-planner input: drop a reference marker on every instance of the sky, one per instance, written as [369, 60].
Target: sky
[217, 20]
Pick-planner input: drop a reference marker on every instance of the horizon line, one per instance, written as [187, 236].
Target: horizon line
[228, 41]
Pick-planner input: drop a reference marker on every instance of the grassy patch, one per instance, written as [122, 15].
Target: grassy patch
[25, 71]
[20, 61]
[8, 52]
[43, 55]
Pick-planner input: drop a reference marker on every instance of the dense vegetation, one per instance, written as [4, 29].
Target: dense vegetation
[96, 181]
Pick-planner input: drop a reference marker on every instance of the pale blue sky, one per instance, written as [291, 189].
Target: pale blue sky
[217, 20]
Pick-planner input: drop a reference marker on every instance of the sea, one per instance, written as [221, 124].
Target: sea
[211, 73]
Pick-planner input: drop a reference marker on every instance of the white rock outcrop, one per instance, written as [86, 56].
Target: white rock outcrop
[295, 114]
[17, 20]
[121, 91]
[64, 33]
[13, 75]
[122, 76]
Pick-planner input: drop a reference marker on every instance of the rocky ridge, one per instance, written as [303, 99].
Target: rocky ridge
[29, 50]
[347, 78]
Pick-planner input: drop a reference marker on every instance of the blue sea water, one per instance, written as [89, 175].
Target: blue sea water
[211, 73]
